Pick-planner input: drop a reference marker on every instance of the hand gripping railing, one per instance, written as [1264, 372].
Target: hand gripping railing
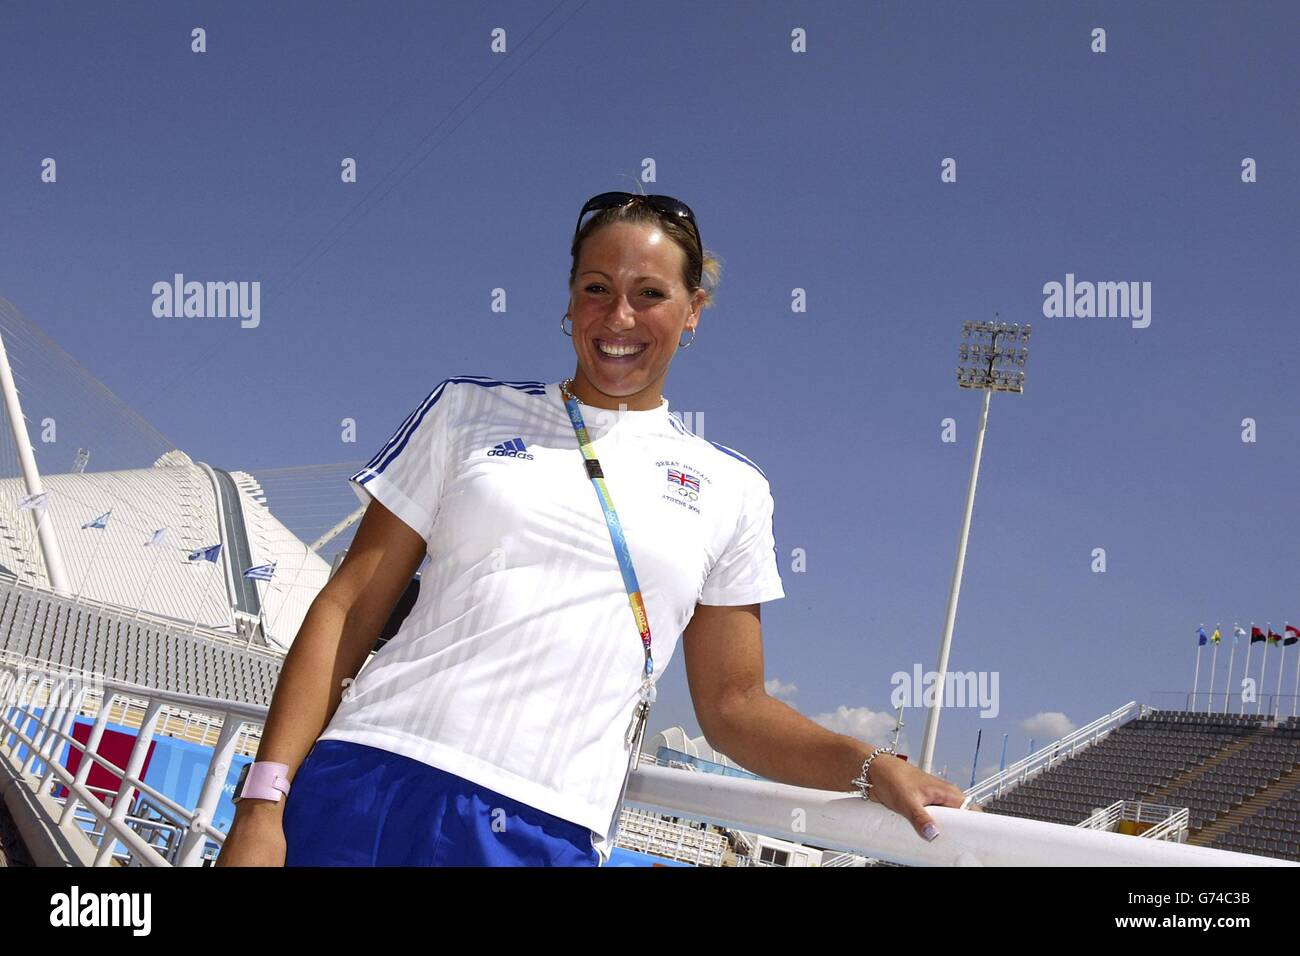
[835, 821]
[847, 822]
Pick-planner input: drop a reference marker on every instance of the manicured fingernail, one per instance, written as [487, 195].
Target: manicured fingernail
[930, 831]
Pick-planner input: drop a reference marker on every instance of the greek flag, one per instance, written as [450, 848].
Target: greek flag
[260, 572]
[33, 501]
[100, 522]
[206, 554]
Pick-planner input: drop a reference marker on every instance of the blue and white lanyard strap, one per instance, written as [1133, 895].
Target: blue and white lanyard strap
[636, 730]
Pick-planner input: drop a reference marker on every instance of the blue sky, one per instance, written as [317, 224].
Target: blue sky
[816, 170]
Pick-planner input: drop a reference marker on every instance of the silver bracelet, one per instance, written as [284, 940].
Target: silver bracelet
[861, 782]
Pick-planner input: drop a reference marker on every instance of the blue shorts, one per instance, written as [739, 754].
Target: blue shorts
[354, 805]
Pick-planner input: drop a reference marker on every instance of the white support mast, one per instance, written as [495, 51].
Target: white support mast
[46, 540]
[337, 530]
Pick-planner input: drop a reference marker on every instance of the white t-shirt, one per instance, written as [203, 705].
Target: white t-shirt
[518, 666]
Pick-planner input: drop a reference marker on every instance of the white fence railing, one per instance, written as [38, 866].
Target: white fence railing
[1047, 757]
[60, 697]
[1104, 818]
[833, 821]
[846, 822]
[842, 859]
[1174, 827]
[1167, 822]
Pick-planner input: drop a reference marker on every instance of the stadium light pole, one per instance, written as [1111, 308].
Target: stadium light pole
[993, 362]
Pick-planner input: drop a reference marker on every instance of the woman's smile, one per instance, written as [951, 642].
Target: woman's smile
[619, 352]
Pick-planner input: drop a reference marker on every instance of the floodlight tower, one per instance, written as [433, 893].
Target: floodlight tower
[993, 362]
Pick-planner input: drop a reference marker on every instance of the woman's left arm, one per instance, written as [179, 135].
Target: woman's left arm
[723, 647]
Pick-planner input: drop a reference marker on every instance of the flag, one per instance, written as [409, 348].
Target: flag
[157, 538]
[1256, 635]
[681, 478]
[100, 522]
[1273, 638]
[1216, 636]
[261, 572]
[1292, 635]
[1202, 638]
[206, 554]
[33, 501]
[1237, 631]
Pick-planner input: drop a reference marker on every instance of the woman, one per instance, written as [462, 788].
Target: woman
[498, 725]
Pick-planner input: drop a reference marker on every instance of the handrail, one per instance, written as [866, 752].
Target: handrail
[1045, 757]
[840, 821]
[1168, 822]
[212, 706]
[144, 852]
[1172, 828]
[42, 747]
[834, 821]
[1104, 818]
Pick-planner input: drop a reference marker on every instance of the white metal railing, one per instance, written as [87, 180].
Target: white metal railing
[1167, 822]
[672, 839]
[834, 821]
[747, 841]
[174, 625]
[842, 859]
[61, 696]
[839, 821]
[1174, 827]
[1047, 757]
[1270, 708]
[1104, 818]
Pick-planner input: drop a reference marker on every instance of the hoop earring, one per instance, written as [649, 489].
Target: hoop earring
[688, 341]
[562, 328]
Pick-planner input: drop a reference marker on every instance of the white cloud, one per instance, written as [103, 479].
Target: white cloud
[871, 726]
[1047, 726]
[778, 688]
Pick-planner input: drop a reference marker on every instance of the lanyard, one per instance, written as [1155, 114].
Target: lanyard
[636, 729]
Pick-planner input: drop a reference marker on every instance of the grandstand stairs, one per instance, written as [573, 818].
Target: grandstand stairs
[1199, 770]
[1259, 803]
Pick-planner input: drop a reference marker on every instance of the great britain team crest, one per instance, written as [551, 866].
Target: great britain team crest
[684, 484]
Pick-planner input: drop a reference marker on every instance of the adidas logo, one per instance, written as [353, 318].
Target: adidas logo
[514, 448]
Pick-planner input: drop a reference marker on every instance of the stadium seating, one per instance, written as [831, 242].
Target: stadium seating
[1238, 775]
[38, 625]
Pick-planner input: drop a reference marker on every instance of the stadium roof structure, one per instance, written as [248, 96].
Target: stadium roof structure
[199, 506]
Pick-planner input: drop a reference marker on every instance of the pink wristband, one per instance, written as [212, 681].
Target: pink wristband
[264, 780]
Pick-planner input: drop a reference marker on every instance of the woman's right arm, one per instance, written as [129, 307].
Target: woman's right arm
[336, 636]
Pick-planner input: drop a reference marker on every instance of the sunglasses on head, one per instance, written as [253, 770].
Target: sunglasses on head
[664, 205]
